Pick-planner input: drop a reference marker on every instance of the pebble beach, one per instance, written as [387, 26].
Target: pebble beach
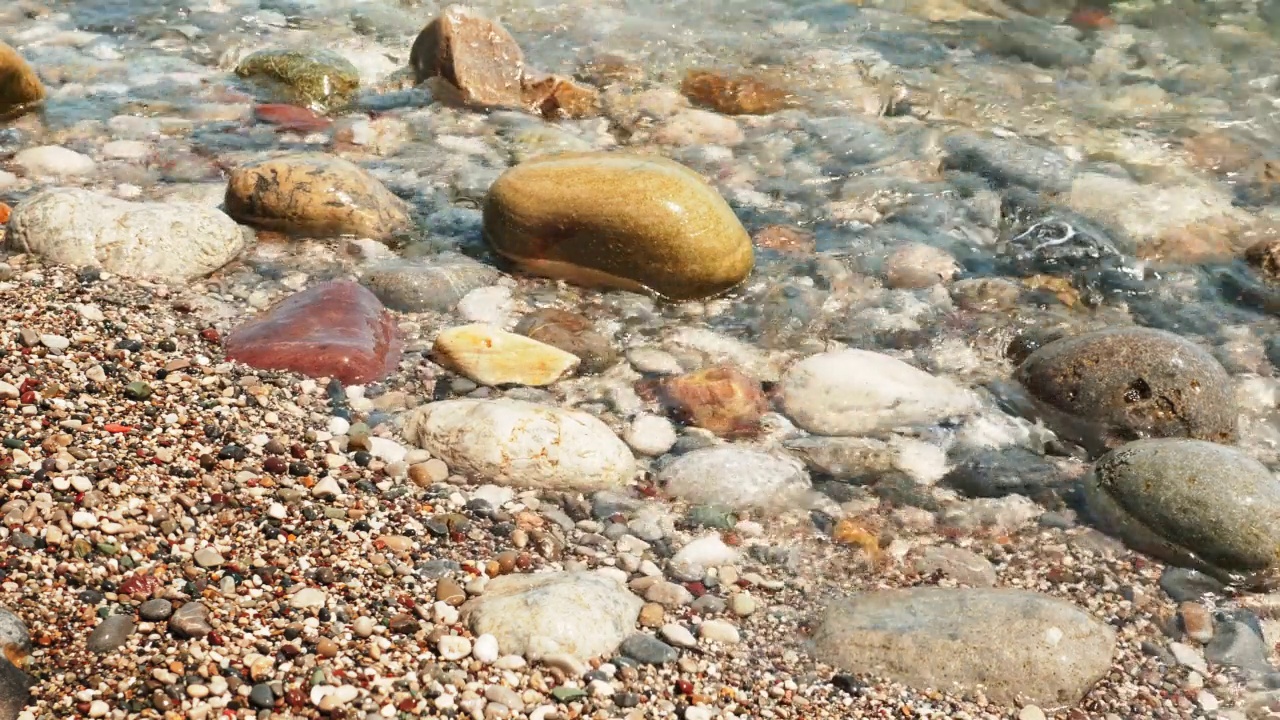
[713, 360]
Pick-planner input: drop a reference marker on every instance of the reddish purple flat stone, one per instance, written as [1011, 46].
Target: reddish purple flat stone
[338, 329]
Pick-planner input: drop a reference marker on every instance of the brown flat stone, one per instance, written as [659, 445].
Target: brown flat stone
[474, 54]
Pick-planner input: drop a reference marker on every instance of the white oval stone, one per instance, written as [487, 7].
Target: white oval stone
[150, 240]
[855, 392]
[53, 160]
[737, 477]
[651, 435]
[453, 647]
[485, 649]
[512, 442]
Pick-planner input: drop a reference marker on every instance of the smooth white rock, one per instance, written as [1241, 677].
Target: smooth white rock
[53, 160]
[485, 649]
[650, 435]
[583, 614]
[524, 444]
[855, 392]
[151, 240]
[738, 477]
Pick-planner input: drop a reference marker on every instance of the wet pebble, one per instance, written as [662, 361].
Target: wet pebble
[110, 634]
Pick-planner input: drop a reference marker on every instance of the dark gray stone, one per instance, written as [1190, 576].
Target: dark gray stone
[155, 610]
[261, 696]
[1238, 644]
[1183, 584]
[648, 650]
[110, 634]
[1006, 161]
[15, 690]
[1030, 40]
[1191, 503]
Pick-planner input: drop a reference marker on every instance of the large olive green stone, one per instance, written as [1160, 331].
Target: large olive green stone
[1191, 503]
[620, 221]
[319, 79]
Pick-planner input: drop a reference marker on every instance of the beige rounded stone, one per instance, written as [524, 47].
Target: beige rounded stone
[616, 220]
[315, 195]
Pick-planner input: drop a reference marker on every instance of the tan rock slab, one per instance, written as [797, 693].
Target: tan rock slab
[492, 356]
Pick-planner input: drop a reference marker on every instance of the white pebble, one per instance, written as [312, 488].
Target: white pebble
[678, 635]
[719, 631]
[277, 511]
[327, 487]
[485, 649]
[98, 709]
[490, 305]
[339, 426]
[84, 519]
[453, 647]
[650, 435]
[53, 160]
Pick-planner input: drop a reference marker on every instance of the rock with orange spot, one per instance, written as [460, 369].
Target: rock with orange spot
[720, 399]
[554, 97]
[734, 94]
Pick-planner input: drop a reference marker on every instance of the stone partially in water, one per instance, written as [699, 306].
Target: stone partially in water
[554, 97]
[1104, 388]
[522, 444]
[615, 220]
[854, 392]
[337, 329]
[153, 240]
[1191, 503]
[315, 195]
[1014, 646]
[719, 399]
[583, 614]
[436, 283]
[740, 95]
[493, 356]
[20, 87]
[319, 79]
[1009, 161]
[474, 54]
[572, 333]
[737, 477]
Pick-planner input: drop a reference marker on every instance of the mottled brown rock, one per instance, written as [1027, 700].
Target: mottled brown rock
[20, 88]
[719, 399]
[314, 195]
[554, 97]
[616, 220]
[608, 68]
[474, 54]
[492, 356]
[572, 333]
[1264, 256]
[1111, 386]
[337, 329]
[734, 95]
[319, 79]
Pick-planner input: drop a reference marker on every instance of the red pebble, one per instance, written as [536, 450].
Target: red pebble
[29, 384]
[116, 428]
[684, 687]
[291, 117]
[210, 335]
[697, 588]
[28, 397]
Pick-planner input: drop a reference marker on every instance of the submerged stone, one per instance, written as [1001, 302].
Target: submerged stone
[615, 220]
[476, 56]
[572, 333]
[1014, 646]
[720, 399]
[319, 79]
[338, 329]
